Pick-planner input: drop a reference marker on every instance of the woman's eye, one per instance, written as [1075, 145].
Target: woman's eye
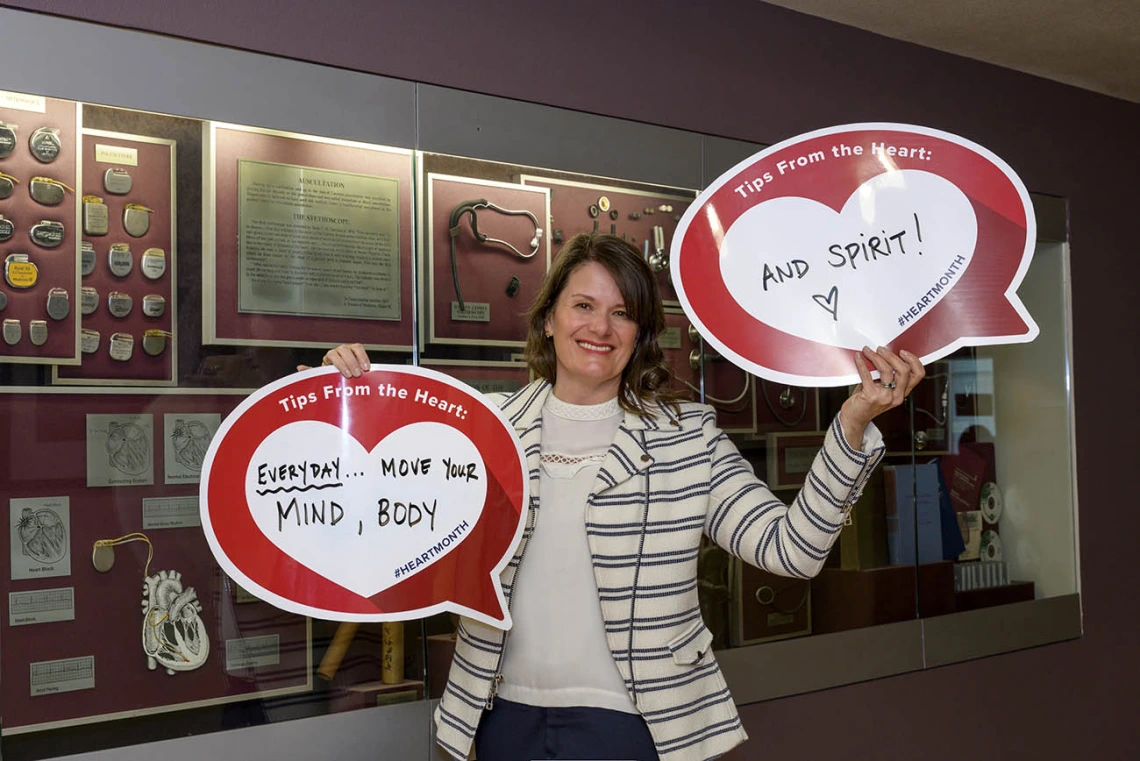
[583, 305]
[621, 313]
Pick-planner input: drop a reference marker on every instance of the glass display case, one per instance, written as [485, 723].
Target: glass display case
[191, 283]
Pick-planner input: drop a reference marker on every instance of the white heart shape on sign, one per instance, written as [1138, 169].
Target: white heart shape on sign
[356, 517]
[796, 265]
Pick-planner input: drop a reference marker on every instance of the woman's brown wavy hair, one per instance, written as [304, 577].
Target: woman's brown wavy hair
[645, 379]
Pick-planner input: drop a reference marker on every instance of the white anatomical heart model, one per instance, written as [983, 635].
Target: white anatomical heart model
[173, 633]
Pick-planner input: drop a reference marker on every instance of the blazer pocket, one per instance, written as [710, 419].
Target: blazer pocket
[691, 646]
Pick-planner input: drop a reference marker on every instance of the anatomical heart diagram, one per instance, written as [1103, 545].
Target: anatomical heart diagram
[128, 448]
[120, 450]
[39, 534]
[187, 439]
[191, 440]
[173, 632]
[43, 536]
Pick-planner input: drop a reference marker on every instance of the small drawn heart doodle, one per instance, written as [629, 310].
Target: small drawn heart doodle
[830, 302]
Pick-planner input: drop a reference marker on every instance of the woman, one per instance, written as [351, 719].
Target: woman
[608, 657]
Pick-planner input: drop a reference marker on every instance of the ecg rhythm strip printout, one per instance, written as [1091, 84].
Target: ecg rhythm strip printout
[63, 675]
[40, 601]
[41, 606]
[170, 512]
[176, 506]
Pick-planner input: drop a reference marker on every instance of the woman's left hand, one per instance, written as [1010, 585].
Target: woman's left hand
[898, 375]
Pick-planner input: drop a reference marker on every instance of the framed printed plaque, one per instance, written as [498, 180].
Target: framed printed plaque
[307, 241]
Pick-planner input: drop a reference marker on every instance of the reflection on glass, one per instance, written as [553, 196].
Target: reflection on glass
[973, 507]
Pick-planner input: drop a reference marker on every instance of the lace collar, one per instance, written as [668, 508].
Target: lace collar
[568, 411]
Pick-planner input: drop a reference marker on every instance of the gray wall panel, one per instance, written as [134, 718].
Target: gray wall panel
[390, 732]
[1001, 629]
[498, 129]
[793, 666]
[721, 154]
[183, 78]
[1052, 218]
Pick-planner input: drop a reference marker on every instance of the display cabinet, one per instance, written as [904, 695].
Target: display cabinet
[395, 224]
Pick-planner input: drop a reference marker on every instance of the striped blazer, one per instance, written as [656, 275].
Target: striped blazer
[666, 479]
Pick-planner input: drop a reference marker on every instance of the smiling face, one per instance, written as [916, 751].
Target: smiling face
[593, 336]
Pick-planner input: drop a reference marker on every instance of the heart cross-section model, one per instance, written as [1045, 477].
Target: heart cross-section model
[173, 633]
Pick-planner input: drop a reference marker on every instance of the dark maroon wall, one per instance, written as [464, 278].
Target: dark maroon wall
[757, 72]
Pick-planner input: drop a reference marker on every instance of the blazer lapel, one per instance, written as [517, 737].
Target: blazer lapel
[625, 459]
[524, 410]
[628, 455]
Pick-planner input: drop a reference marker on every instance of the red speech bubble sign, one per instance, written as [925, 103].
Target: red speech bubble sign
[391, 496]
[858, 235]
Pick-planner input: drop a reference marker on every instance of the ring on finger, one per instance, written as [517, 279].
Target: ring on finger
[888, 384]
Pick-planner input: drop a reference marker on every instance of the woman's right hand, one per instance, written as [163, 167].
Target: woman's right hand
[350, 359]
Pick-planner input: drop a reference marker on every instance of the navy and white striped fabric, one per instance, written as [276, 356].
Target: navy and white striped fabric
[666, 480]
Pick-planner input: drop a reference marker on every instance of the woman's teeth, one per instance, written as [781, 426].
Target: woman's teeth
[594, 347]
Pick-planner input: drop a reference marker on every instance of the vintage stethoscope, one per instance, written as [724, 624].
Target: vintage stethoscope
[470, 207]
